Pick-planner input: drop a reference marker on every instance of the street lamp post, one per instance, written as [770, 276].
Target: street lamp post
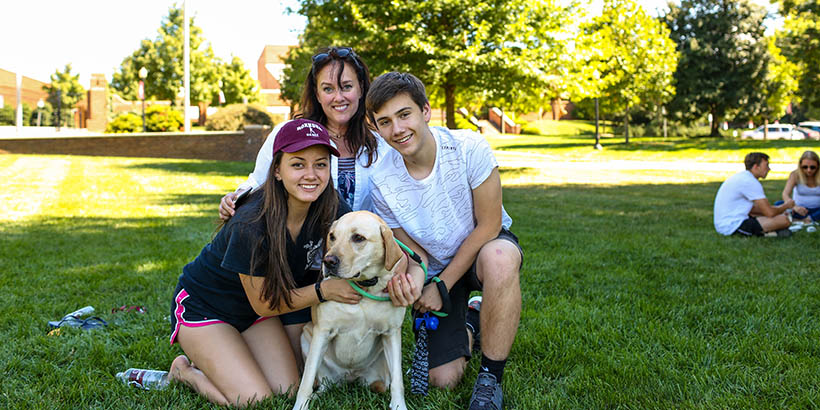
[40, 105]
[143, 74]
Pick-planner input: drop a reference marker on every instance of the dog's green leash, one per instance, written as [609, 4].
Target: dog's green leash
[414, 257]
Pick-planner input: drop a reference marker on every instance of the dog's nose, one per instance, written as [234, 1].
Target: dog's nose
[331, 263]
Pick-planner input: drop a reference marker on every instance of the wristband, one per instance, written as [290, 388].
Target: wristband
[319, 292]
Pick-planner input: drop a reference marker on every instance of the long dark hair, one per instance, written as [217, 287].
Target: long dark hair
[358, 134]
[270, 251]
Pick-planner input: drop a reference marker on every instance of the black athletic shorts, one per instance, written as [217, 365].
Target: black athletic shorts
[449, 341]
[749, 227]
[187, 310]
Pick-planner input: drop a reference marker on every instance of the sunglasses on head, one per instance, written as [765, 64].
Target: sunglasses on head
[809, 167]
[338, 52]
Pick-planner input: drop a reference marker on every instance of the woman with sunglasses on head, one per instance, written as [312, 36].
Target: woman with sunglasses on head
[333, 95]
[258, 275]
[804, 185]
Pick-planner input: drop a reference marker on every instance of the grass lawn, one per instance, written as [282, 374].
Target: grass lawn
[630, 298]
[574, 141]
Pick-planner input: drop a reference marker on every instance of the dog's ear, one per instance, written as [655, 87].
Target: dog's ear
[392, 251]
[330, 231]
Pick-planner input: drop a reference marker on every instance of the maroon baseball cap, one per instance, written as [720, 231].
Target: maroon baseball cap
[297, 135]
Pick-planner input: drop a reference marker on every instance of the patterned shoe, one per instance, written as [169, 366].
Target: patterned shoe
[474, 321]
[486, 393]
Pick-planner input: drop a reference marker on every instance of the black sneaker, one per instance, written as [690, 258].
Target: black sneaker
[486, 393]
[473, 320]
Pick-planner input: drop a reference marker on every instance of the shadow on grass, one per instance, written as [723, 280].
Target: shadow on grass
[197, 167]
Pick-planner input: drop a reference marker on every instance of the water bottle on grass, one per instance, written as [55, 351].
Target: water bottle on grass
[145, 379]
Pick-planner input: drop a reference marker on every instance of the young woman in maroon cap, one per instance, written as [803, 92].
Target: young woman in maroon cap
[258, 275]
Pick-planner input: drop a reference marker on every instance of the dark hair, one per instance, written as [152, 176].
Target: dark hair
[358, 134]
[270, 250]
[754, 158]
[389, 85]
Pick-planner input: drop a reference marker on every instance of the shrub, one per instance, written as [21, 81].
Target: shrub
[464, 124]
[530, 129]
[162, 118]
[235, 117]
[45, 118]
[126, 122]
[8, 114]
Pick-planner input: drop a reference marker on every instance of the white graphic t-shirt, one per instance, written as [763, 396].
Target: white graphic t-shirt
[437, 211]
[734, 201]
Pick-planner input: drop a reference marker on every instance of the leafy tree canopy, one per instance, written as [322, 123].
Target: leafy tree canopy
[630, 56]
[501, 50]
[800, 42]
[163, 58]
[723, 57]
[68, 85]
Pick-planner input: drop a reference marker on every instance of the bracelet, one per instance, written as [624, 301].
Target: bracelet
[319, 292]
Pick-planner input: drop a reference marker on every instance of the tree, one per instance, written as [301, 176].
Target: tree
[495, 50]
[632, 57]
[778, 87]
[64, 91]
[799, 42]
[237, 84]
[163, 58]
[723, 57]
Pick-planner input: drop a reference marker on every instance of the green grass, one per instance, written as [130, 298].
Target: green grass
[574, 141]
[631, 300]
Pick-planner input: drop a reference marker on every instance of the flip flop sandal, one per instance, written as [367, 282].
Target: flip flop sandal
[126, 309]
[71, 321]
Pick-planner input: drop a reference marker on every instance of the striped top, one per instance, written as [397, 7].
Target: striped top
[346, 183]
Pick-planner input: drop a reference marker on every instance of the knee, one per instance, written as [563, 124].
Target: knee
[447, 376]
[248, 397]
[498, 263]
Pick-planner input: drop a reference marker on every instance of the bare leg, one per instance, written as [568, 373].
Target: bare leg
[225, 359]
[773, 224]
[497, 269]
[183, 371]
[295, 336]
[271, 349]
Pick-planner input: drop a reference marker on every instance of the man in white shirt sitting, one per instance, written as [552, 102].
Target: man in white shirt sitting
[741, 208]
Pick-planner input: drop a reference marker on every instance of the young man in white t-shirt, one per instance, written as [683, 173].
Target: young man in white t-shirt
[741, 208]
[440, 191]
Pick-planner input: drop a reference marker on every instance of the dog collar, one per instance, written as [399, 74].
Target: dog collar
[366, 293]
[367, 283]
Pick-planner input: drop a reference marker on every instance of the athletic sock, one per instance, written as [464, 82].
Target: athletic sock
[494, 367]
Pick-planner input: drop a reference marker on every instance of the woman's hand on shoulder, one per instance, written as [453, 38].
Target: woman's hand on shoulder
[227, 206]
[338, 290]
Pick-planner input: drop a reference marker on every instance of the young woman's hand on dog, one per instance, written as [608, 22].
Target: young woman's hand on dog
[338, 290]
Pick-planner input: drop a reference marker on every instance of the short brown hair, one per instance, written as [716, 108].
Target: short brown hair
[754, 158]
[389, 85]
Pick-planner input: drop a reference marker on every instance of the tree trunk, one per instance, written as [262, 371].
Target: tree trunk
[766, 127]
[203, 113]
[450, 105]
[626, 125]
[713, 127]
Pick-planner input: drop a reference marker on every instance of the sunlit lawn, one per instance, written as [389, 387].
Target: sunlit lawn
[575, 140]
[630, 297]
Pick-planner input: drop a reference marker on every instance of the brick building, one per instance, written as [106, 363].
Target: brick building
[32, 90]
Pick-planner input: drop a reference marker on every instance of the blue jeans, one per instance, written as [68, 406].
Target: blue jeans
[814, 213]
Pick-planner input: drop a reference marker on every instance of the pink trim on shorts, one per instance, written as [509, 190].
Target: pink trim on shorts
[180, 310]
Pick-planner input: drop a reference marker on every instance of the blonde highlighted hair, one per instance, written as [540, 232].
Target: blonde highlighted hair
[801, 175]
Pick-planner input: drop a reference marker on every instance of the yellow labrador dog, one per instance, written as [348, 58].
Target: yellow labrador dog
[360, 341]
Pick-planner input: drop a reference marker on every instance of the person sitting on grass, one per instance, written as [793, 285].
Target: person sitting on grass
[440, 192]
[804, 185]
[741, 207]
[239, 306]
